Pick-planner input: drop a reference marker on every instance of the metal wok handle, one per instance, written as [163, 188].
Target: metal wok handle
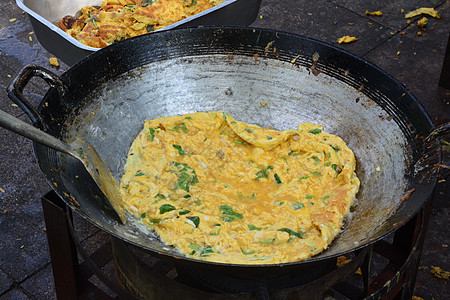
[20, 81]
[439, 131]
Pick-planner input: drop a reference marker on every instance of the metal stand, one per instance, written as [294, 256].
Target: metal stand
[395, 281]
[71, 277]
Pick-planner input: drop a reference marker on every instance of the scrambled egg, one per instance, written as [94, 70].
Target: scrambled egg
[117, 20]
[225, 191]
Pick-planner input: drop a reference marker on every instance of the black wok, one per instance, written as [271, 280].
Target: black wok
[259, 76]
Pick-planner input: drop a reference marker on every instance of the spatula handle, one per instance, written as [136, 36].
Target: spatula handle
[26, 130]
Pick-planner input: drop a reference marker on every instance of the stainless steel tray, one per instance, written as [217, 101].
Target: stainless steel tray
[45, 15]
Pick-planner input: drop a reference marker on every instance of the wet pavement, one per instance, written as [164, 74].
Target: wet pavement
[387, 41]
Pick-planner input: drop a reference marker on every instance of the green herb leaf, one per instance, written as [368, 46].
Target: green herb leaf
[277, 179]
[195, 220]
[177, 127]
[152, 133]
[238, 142]
[166, 208]
[316, 160]
[187, 196]
[297, 206]
[187, 176]
[247, 253]
[203, 251]
[154, 221]
[299, 234]
[149, 28]
[143, 215]
[315, 131]
[309, 196]
[267, 241]
[303, 177]
[335, 148]
[184, 212]
[160, 196]
[261, 174]
[253, 227]
[314, 172]
[140, 174]
[180, 151]
[228, 214]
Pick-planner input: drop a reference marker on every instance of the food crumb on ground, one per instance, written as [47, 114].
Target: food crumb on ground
[342, 260]
[423, 10]
[439, 273]
[416, 298]
[5, 211]
[422, 23]
[374, 13]
[2, 190]
[54, 61]
[12, 20]
[378, 169]
[346, 39]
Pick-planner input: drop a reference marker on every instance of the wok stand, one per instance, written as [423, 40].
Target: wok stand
[395, 281]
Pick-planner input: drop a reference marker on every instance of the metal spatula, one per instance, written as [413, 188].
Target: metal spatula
[79, 149]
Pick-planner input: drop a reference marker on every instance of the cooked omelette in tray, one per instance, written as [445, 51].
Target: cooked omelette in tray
[225, 191]
[116, 20]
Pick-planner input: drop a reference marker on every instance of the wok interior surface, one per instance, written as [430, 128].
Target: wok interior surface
[258, 76]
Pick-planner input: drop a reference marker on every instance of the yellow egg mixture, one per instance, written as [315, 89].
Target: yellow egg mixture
[116, 20]
[222, 190]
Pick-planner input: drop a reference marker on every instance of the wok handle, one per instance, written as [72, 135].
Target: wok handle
[439, 131]
[20, 81]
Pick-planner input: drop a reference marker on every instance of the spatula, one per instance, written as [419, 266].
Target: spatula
[79, 149]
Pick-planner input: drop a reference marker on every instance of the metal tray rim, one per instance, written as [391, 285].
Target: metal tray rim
[76, 43]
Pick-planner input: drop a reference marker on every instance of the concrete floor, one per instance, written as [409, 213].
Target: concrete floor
[388, 41]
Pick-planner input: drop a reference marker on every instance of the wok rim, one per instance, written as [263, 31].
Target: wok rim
[178, 257]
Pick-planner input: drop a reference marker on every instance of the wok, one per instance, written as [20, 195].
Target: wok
[259, 76]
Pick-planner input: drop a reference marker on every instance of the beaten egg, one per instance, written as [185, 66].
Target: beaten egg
[116, 20]
[222, 190]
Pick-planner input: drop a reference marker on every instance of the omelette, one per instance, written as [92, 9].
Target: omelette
[222, 190]
[116, 20]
